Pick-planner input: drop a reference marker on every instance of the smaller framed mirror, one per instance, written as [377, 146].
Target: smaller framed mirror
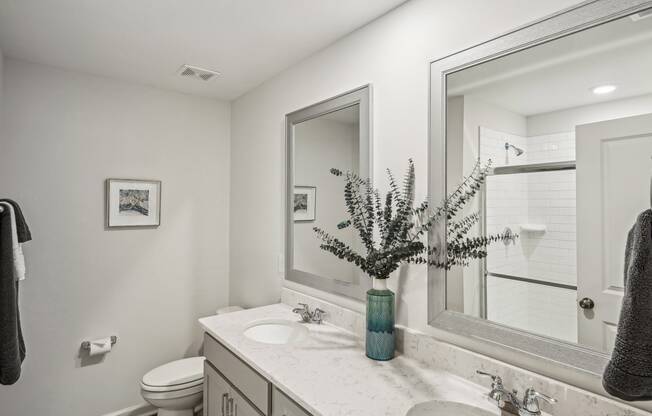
[334, 133]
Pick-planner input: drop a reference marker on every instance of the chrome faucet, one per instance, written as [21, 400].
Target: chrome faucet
[530, 405]
[506, 400]
[306, 315]
[509, 402]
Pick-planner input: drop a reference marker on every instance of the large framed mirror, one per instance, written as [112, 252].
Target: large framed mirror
[334, 133]
[563, 110]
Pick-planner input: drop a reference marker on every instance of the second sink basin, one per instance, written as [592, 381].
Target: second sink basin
[445, 408]
[275, 331]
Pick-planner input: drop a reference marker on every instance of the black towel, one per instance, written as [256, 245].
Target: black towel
[12, 345]
[628, 375]
[21, 225]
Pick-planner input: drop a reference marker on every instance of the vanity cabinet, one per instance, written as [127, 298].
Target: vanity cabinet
[233, 388]
[284, 406]
[220, 399]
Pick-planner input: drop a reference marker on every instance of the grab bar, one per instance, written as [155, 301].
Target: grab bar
[534, 167]
[534, 281]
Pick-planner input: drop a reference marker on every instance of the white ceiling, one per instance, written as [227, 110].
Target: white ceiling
[146, 41]
[561, 74]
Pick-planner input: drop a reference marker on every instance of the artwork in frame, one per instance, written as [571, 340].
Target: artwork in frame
[133, 203]
[304, 203]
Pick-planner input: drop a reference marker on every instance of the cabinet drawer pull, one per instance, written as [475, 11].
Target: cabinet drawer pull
[230, 406]
[224, 396]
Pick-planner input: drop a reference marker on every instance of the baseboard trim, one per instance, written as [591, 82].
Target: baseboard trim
[143, 409]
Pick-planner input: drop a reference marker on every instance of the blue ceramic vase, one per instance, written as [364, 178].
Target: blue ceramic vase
[381, 337]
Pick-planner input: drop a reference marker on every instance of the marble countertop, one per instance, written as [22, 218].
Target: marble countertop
[329, 375]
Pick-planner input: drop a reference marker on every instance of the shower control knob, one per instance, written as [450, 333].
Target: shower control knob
[587, 303]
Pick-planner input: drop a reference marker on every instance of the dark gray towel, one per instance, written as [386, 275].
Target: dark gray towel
[21, 225]
[12, 346]
[628, 375]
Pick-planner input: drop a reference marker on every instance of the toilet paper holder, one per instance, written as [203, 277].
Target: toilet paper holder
[86, 345]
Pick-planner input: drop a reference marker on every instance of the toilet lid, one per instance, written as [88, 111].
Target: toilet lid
[175, 373]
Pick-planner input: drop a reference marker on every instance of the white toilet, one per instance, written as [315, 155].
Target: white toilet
[176, 388]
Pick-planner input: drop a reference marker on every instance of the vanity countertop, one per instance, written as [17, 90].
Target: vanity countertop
[329, 375]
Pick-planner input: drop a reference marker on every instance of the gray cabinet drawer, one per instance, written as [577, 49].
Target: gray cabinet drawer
[216, 392]
[221, 399]
[251, 384]
[284, 406]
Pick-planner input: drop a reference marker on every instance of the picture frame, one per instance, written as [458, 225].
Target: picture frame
[304, 203]
[132, 203]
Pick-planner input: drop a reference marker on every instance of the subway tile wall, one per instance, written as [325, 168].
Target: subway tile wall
[546, 198]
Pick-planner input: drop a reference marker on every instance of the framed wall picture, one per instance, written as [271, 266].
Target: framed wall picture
[304, 203]
[133, 203]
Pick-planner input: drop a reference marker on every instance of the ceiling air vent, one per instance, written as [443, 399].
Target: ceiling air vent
[641, 15]
[190, 71]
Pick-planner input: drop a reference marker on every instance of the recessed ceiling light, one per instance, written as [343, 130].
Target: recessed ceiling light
[604, 89]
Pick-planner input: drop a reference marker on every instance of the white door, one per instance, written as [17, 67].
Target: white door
[613, 186]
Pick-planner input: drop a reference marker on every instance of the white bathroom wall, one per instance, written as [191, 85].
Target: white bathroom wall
[319, 145]
[393, 54]
[65, 134]
[565, 120]
[2, 59]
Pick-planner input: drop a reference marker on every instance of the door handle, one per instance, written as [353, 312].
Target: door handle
[586, 303]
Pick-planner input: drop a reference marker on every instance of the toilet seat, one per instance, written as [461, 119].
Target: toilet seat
[172, 394]
[177, 387]
[176, 376]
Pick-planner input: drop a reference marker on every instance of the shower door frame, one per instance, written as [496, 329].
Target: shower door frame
[514, 170]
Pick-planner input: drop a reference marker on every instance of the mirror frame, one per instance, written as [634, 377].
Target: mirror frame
[360, 96]
[490, 334]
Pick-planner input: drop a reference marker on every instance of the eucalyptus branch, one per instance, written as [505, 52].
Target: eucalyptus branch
[401, 227]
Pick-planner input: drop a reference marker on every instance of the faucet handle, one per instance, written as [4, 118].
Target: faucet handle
[317, 315]
[531, 402]
[495, 380]
[303, 308]
[304, 312]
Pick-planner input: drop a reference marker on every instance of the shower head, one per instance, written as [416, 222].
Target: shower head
[517, 150]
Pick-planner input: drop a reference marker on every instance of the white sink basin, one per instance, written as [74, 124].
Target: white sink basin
[276, 331]
[444, 408]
